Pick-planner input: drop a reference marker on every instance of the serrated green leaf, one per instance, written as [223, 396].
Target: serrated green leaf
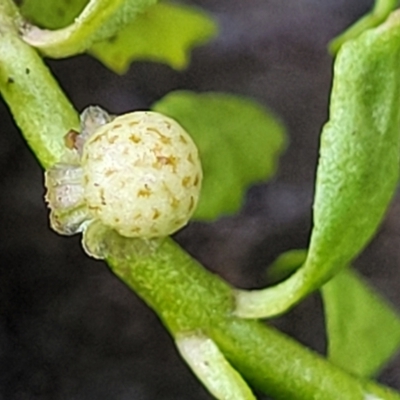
[363, 329]
[239, 143]
[163, 33]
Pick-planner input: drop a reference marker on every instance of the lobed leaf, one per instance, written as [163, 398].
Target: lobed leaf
[163, 33]
[239, 143]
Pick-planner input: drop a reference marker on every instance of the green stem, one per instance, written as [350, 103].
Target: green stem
[40, 108]
[183, 293]
[188, 298]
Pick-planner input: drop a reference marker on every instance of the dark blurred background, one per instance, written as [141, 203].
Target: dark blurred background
[68, 328]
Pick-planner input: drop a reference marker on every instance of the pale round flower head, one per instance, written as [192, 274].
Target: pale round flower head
[141, 175]
[138, 174]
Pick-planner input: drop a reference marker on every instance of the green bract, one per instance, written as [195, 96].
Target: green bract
[358, 166]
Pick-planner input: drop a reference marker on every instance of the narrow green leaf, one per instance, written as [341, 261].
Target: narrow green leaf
[359, 155]
[363, 329]
[358, 166]
[164, 33]
[239, 143]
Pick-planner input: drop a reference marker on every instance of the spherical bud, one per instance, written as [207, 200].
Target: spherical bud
[140, 174]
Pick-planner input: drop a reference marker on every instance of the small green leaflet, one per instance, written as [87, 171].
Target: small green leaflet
[363, 329]
[239, 143]
[162, 33]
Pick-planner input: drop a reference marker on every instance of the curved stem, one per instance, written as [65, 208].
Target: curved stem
[272, 301]
[190, 299]
[184, 295]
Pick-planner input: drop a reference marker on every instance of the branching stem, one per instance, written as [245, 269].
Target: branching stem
[184, 295]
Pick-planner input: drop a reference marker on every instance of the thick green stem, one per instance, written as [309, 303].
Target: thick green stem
[40, 108]
[184, 294]
[188, 298]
